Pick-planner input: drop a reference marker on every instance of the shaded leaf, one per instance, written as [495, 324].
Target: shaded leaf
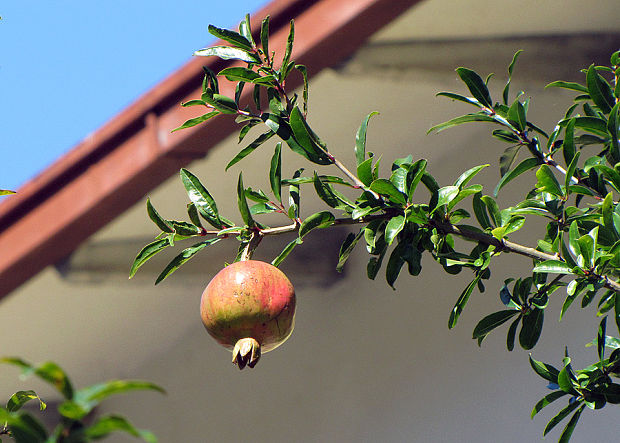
[462, 301]
[492, 321]
[242, 203]
[347, 247]
[545, 370]
[476, 86]
[250, 148]
[275, 173]
[285, 252]
[112, 423]
[531, 328]
[547, 400]
[599, 90]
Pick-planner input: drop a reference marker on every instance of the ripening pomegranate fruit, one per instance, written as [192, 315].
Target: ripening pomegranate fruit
[249, 307]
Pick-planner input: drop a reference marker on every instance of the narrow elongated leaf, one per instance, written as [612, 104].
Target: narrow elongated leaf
[568, 85]
[228, 53]
[599, 90]
[147, 252]
[525, 165]
[250, 148]
[242, 203]
[232, 37]
[113, 423]
[204, 202]
[553, 267]
[568, 145]
[600, 342]
[570, 427]
[467, 118]
[304, 74]
[6, 192]
[466, 176]
[183, 258]
[360, 139]
[510, 69]
[461, 98]
[285, 252]
[196, 121]
[531, 328]
[480, 210]
[512, 333]
[561, 416]
[161, 223]
[492, 321]
[476, 86]
[516, 115]
[275, 173]
[289, 48]
[547, 400]
[347, 247]
[293, 210]
[462, 301]
[245, 30]
[318, 220]
[264, 35]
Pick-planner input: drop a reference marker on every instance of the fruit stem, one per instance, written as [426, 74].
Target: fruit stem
[255, 239]
[246, 352]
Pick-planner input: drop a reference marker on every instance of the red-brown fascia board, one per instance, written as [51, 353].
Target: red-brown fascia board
[114, 167]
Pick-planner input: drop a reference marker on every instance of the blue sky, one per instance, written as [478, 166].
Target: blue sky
[66, 67]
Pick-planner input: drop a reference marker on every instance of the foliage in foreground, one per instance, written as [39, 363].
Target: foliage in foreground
[77, 422]
[403, 215]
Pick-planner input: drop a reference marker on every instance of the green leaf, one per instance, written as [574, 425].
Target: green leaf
[547, 181]
[561, 416]
[462, 301]
[568, 145]
[304, 74]
[347, 247]
[395, 263]
[285, 252]
[293, 210]
[467, 118]
[228, 53]
[570, 171]
[242, 203]
[232, 37]
[512, 332]
[161, 223]
[204, 202]
[510, 69]
[222, 103]
[570, 427]
[600, 342]
[318, 220]
[48, 371]
[20, 398]
[446, 194]
[568, 85]
[183, 257]
[461, 98]
[531, 328]
[147, 252]
[466, 176]
[6, 192]
[113, 423]
[480, 210]
[393, 227]
[516, 115]
[599, 90]
[289, 47]
[545, 370]
[264, 35]
[250, 148]
[364, 171]
[547, 400]
[613, 128]
[196, 121]
[492, 321]
[312, 152]
[476, 86]
[360, 139]
[245, 30]
[23, 427]
[553, 267]
[385, 187]
[275, 173]
[493, 209]
[525, 165]
[239, 74]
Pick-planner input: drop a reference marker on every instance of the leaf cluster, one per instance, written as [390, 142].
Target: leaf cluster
[77, 405]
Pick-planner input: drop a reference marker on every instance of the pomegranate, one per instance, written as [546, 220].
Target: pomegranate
[249, 307]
